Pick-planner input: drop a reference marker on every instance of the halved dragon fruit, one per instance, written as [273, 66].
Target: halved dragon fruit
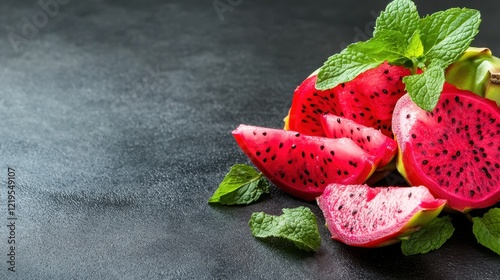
[368, 99]
[303, 165]
[382, 148]
[453, 150]
[363, 216]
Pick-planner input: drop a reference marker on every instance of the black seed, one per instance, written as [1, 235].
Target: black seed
[257, 153]
[472, 193]
[351, 195]
[368, 138]
[340, 207]
[354, 212]
[332, 153]
[439, 119]
[408, 116]
[264, 160]
[264, 133]
[424, 162]
[290, 161]
[312, 156]
[303, 154]
[409, 195]
[339, 173]
[413, 136]
[457, 153]
[273, 157]
[440, 141]
[297, 135]
[294, 146]
[280, 146]
[445, 152]
[268, 149]
[321, 147]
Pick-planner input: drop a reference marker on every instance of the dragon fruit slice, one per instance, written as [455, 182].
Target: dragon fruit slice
[303, 165]
[453, 150]
[363, 216]
[381, 147]
[369, 99]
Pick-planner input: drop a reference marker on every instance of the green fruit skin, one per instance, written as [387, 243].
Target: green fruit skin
[478, 71]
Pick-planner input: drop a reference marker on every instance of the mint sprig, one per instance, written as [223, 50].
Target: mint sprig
[487, 229]
[429, 238]
[298, 225]
[242, 185]
[401, 37]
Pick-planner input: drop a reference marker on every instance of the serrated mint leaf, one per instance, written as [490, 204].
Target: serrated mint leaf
[415, 48]
[447, 34]
[429, 238]
[425, 89]
[487, 229]
[242, 185]
[344, 66]
[387, 46]
[399, 15]
[297, 225]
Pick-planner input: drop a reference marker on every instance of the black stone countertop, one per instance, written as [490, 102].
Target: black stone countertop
[116, 117]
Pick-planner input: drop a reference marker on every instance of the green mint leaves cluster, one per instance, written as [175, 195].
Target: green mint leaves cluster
[297, 225]
[242, 185]
[425, 45]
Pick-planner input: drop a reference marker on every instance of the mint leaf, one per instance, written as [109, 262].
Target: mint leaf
[297, 225]
[388, 45]
[415, 48]
[447, 34]
[425, 89]
[429, 238]
[345, 66]
[487, 229]
[401, 16]
[242, 185]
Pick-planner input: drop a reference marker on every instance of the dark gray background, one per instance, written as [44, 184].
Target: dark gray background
[116, 116]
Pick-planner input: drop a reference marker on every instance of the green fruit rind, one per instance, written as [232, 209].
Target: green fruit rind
[478, 71]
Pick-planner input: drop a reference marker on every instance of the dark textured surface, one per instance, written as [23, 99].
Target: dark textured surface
[116, 116]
